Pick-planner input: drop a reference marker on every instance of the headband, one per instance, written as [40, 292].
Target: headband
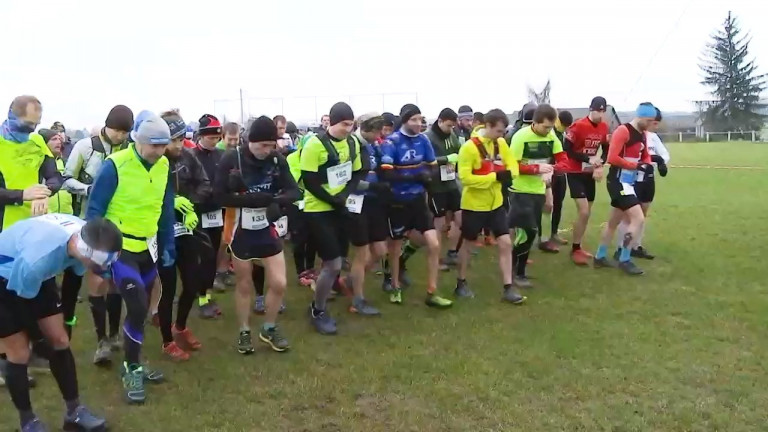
[101, 258]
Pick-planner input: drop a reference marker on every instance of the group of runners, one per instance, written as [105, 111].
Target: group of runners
[151, 200]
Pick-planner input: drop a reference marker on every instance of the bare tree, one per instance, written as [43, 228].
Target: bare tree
[541, 97]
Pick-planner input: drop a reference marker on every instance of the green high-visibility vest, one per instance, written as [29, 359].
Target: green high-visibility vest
[20, 166]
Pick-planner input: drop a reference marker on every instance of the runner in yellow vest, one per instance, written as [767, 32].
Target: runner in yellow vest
[132, 191]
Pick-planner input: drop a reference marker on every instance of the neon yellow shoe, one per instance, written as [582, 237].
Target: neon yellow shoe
[435, 301]
[396, 296]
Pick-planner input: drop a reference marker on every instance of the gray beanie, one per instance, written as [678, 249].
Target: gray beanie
[149, 128]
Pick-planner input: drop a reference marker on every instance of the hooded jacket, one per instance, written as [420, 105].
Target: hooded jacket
[444, 145]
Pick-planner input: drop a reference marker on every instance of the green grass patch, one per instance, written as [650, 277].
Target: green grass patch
[679, 349]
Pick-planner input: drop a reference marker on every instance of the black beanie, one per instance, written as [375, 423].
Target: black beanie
[262, 129]
[389, 119]
[120, 118]
[465, 111]
[209, 125]
[448, 114]
[47, 134]
[408, 111]
[341, 111]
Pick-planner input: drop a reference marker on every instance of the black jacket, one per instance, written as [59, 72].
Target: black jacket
[189, 179]
[210, 161]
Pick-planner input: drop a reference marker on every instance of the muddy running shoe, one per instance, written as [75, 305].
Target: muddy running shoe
[116, 342]
[558, 240]
[274, 339]
[322, 322]
[386, 284]
[362, 307]
[549, 247]
[642, 253]
[522, 282]
[103, 354]
[133, 383]
[245, 343]
[34, 425]
[630, 268]
[207, 311]
[580, 257]
[185, 339]
[462, 290]
[599, 263]
[512, 295]
[174, 352]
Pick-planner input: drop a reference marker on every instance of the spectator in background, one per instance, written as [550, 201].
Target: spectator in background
[284, 141]
[231, 136]
[189, 135]
[66, 143]
[325, 121]
[464, 129]
[293, 132]
[477, 120]
[61, 201]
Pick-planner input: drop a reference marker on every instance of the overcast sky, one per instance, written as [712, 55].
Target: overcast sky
[82, 57]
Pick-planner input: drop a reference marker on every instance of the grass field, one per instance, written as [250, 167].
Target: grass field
[682, 348]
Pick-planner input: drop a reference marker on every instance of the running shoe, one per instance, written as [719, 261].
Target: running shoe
[451, 259]
[522, 282]
[115, 342]
[512, 295]
[322, 322]
[274, 339]
[558, 240]
[219, 285]
[362, 307]
[386, 284]
[215, 306]
[442, 266]
[174, 352]
[462, 290]
[133, 383]
[549, 247]
[405, 280]
[153, 376]
[599, 263]
[580, 257]
[396, 296]
[435, 301]
[259, 307]
[34, 425]
[185, 339]
[617, 255]
[641, 252]
[245, 343]
[207, 311]
[83, 420]
[630, 268]
[103, 354]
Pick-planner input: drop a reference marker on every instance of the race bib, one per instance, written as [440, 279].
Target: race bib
[587, 167]
[340, 174]
[281, 226]
[213, 219]
[628, 176]
[70, 224]
[180, 230]
[152, 247]
[627, 189]
[640, 176]
[254, 219]
[300, 204]
[447, 172]
[355, 203]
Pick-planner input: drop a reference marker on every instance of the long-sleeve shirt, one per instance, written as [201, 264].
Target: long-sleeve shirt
[104, 187]
[482, 192]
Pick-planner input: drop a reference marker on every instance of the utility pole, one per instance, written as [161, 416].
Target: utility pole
[242, 112]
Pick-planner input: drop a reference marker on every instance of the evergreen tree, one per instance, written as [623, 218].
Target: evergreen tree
[734, 82]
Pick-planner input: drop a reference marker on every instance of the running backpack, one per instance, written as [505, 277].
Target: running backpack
[489, 164]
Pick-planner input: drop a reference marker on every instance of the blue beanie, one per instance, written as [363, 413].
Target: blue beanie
[645, 111]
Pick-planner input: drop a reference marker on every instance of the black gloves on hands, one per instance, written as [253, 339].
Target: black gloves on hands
[504, 177]
[273, 212]
[646, 168]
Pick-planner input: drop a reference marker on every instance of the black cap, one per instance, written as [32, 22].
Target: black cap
[408, 111]
[526, 114]
[290, 128]
[341, 111]
[448, 114]
[120, 118]
[262, 129]
[389, 119]
[598, 104]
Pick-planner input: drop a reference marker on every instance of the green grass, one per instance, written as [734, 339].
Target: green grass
[679, 349]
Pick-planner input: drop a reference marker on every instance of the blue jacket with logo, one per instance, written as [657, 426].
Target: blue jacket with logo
[409, 155]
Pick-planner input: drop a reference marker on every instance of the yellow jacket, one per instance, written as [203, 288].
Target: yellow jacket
[481, 192]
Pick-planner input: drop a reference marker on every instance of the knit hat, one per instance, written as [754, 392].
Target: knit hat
[448, 114]
[408, 111]
[370, 121]
[465, 111]
[150, 129]
[262, 129]
[176, 125]
[209, 125]
[290, 128]
[47, 134]
[646, 110]
[58, 127]
[120, 118]
[389, 119]
[341, 111]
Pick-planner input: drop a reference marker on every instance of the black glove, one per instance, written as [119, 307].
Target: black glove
[273, 212]
[235, 181]
[662, 168]
[380, 188]
[424, 177]
[658, 159]
[504, 177]
[339, 202]
[646, 168]
[282, 200]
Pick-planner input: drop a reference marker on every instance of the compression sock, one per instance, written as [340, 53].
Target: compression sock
[408, 251]
[624, 254]
[114, 310]
[64, 371]
[99, 312]
[328, 274]
[602, 252]
[17, 381]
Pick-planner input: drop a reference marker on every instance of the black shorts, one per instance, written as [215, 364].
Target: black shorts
[646, 190]
[326, 229]
[474, 222]
[254, 244]
[297, 224]
[525, 210]
[623, 197]
[409, 215]
[370, 226]
[582, 185]
[442, 202]
[19, 314]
